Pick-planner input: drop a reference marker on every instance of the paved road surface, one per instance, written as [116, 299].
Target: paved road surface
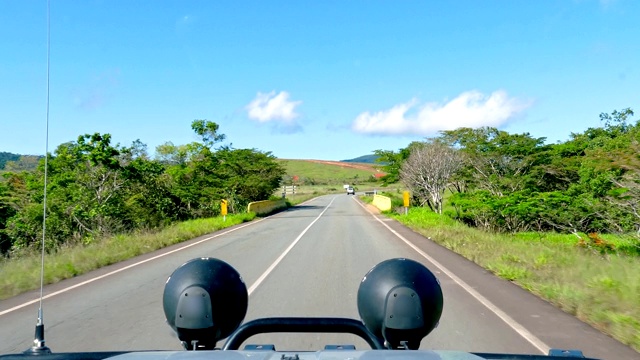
[307, 261]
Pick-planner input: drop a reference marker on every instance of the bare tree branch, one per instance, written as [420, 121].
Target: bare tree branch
[428, 170]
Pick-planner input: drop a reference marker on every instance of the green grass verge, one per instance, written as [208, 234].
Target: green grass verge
[23, 273]
[602, 289]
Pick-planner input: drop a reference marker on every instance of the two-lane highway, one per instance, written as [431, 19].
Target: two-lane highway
[307, 261]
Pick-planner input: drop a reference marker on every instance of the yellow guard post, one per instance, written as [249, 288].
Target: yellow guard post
[223, 208]
[405, 199]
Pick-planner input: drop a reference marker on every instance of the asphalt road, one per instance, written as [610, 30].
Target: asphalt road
[307, 261]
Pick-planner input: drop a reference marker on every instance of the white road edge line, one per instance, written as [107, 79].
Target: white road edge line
[286, 251]
[517, 327]
[125, 268]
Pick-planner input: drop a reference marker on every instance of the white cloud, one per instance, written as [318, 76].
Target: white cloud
[271, 107]
[470, 109]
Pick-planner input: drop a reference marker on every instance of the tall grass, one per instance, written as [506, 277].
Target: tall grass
[23, 273]
[600, 288]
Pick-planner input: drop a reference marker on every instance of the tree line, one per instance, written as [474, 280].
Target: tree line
[506, 182]
[96, 188]
[5, 156]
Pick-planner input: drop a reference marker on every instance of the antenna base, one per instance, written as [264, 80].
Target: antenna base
[38, 347]
[37, 350]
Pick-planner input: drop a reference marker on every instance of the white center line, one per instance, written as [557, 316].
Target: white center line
[61, 291]
[286, 251]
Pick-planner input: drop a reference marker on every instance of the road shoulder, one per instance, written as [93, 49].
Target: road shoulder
[545, 321]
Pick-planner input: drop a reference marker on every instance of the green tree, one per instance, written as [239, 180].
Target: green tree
[208, 131]
[170, 154]
[586, 184]
[200, 176]
[6, 212]
[495, 160]
[84, 195]
[391, 162]
[247, 175]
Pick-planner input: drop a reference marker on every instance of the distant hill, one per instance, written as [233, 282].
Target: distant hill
[17, 162]
[6, 156]
[367, 159]
[317, 172]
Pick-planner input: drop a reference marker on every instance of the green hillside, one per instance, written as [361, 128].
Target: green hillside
[315, 172]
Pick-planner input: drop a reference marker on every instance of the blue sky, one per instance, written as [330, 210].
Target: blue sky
[327, 80]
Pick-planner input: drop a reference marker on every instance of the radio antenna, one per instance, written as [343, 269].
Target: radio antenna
[38, 342]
